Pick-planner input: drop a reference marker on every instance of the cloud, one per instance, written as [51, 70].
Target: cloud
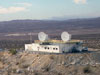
[80, 1]
[24, 4]
[14, 9]
[8, 10]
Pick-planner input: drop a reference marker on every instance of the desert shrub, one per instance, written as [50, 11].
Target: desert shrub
[21, 61]
[14, 70]
[51, 57]
[26, 72]
[36, 72]
[17, 63]
[37, 55]
[23, 65]
[46, 68]
[0, 59]
[59, 73]
[9, 71]
[87, 70]
[13, 51]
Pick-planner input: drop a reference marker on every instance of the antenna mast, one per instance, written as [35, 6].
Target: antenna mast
[30, 37]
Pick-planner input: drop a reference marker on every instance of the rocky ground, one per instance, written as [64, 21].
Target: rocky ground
[24, 63]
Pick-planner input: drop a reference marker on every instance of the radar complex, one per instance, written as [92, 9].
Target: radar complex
[45, 44]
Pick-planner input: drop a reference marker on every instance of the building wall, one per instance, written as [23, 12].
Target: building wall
[54, 48]
[66, 47]
[28, 47]
[42, 48]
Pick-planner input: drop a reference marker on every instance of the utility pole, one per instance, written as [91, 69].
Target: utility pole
[30, 37]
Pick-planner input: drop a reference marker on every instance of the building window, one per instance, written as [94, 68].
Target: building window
[56, 48]
[45, 47]
[53, 48]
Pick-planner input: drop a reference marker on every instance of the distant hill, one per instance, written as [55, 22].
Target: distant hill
[74, 26]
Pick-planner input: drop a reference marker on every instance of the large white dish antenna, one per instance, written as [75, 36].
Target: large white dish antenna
[65, 36]
[42, 36]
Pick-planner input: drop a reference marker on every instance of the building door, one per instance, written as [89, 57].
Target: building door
[63, 49]
[38, 48]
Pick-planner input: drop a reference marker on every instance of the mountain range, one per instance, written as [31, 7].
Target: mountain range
[73, 26]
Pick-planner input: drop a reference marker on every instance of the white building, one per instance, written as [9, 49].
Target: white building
[54, 46]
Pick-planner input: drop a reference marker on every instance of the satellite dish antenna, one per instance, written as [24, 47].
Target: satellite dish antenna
[65, 36]
[42, 36]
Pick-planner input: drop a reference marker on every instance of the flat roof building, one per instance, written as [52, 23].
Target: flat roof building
[54, 46]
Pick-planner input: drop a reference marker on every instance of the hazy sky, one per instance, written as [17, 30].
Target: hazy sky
[48, 9]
